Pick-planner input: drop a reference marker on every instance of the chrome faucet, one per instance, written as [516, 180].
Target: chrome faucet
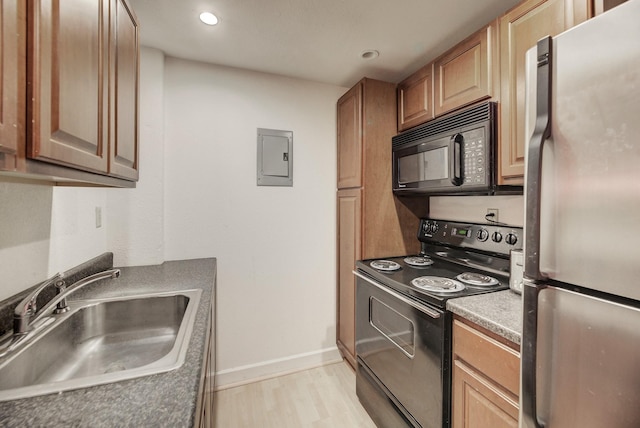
[26, 314]
[60, 301]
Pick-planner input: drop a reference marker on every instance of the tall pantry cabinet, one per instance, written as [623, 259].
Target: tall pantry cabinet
[372, 222]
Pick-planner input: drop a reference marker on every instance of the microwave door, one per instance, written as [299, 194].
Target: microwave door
[429, 165]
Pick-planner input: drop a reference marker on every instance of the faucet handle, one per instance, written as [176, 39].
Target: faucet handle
[62, 306]
[29, 306]
[30, 303]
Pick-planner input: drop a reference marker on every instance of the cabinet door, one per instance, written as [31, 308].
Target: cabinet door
[520, 29]
[415, 98]
[467, 73]
[349, 247]
[68, 82]
[350, 138]
[12, 80]
[478, 403]
[486, 380]
[124, 91]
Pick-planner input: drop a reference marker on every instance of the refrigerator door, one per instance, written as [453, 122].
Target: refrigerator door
[588, 365]
[589, 200]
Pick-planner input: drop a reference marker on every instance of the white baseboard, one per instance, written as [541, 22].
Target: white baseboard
[242, 375]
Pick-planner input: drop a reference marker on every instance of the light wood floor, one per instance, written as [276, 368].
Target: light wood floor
[321, 397]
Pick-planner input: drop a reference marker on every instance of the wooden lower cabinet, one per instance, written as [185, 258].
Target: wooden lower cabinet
[486, 379]
[349, 226]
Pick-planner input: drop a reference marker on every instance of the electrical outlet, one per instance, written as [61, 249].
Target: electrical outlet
[492, 214]
[98, 217]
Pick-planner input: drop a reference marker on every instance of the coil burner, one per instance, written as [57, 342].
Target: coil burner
[477, 279]
[436, 284]
[418, 261]
[385, 265]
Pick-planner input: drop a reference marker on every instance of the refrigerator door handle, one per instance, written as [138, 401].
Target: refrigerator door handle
[541, 132]
[528, 400]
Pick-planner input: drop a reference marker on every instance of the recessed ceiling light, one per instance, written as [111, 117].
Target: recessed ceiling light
[208, 18]
[369, 54]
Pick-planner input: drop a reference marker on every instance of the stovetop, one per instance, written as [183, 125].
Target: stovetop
[455, 248]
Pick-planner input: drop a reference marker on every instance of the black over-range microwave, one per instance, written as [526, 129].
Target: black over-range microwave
[453, 154]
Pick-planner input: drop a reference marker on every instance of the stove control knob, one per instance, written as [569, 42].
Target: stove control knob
[511, 238]
[497, 237]
[482, 235]
[434, 227]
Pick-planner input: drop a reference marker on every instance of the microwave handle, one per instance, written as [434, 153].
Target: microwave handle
[455, 164]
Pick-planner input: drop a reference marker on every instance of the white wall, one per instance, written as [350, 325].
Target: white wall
[45, 229]
[474, 208]
[275, 245]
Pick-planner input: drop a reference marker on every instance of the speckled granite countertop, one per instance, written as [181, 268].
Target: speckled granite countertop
[162, 400]
[499, 312]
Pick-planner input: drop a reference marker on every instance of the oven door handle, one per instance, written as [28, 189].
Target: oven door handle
[422, 308]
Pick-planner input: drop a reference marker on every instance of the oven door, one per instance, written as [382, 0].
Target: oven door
[404, 348]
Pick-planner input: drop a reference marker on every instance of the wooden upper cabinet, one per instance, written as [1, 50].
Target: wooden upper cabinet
[12, 80]
[124, 92]
[68, 83]
[469, 72]
[415, 98]
[350, 138]
[520, 29]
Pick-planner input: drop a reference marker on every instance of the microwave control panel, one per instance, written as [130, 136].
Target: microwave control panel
[474, 157]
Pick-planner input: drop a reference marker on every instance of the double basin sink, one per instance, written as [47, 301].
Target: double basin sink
[101, 341]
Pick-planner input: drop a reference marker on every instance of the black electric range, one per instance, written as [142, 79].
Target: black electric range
[403, 330]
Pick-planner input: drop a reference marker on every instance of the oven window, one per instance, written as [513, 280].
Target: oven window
[393, 325]
[424, 166]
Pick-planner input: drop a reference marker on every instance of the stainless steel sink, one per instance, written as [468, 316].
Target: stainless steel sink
[102, 341]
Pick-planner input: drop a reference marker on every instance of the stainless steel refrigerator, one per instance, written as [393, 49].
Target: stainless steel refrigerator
[581, 298]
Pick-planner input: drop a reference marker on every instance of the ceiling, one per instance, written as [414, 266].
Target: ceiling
[318, 40]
